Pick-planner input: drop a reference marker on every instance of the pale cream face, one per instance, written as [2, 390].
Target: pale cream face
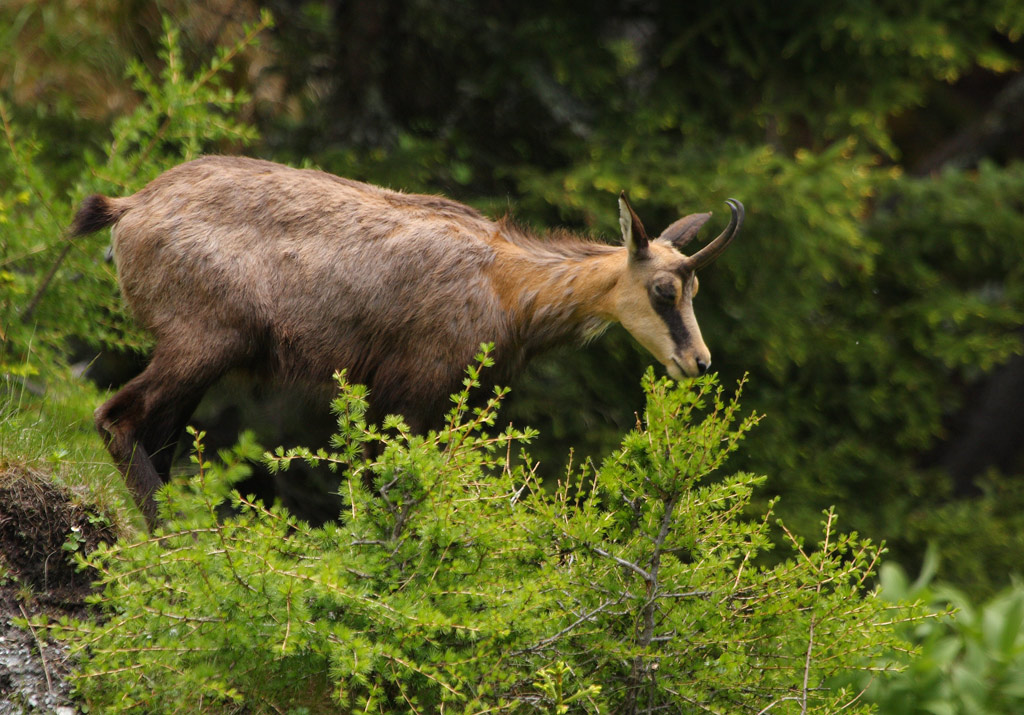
[654, 302]
[654, 293]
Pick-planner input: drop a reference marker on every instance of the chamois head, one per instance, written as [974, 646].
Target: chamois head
[654, 297]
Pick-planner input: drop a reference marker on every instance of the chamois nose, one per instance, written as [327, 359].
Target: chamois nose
[702, 367]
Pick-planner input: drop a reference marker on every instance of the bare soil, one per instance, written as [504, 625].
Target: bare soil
[41, 523]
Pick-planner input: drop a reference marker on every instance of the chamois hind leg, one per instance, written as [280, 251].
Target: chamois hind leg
[141, 423]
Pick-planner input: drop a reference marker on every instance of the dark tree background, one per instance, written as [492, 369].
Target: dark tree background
[874, 297]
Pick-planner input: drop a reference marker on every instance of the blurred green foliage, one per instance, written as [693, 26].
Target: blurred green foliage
[968, 656]
[179, 115]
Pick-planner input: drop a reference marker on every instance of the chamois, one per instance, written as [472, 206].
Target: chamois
[234, 262]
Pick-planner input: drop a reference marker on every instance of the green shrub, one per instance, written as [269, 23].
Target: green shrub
[456, 583]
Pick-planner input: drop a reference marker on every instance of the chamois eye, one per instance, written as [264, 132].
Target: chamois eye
[664, 292]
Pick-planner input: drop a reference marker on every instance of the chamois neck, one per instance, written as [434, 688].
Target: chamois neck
[556, 290]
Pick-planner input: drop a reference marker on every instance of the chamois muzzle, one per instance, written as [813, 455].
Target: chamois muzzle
[713, 250]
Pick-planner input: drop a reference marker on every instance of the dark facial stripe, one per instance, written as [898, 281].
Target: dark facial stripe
[671, 316]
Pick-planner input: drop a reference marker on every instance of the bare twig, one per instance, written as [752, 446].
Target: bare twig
[807, 665]
[552, 638]
[810, 628]
[42, 652]
[622, 562]
[26, 315]
[772, 704]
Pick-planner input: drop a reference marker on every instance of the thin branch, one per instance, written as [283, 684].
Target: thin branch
[772, 704]
[551, 639]
[26, 315]
[622, 562]
[807, 665]
[859, 695]
[810, 630]
[42, 652]
[688, 594]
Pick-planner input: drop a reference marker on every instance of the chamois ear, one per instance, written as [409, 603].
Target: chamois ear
[634, 237]
[681, 232]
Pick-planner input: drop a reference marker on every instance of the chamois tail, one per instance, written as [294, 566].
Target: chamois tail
[96, 212]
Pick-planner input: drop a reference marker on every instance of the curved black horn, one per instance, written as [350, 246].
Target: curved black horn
[711, 251]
